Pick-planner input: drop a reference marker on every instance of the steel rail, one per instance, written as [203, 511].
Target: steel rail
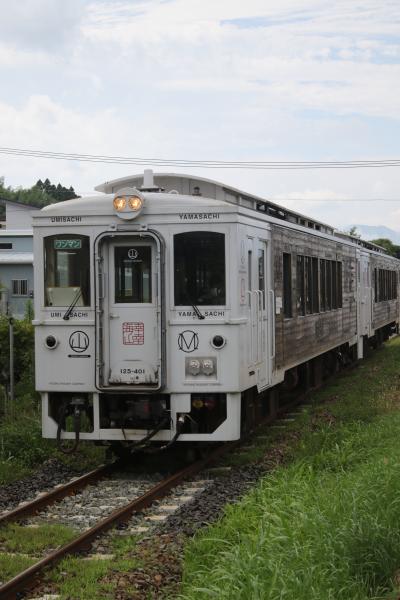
[58, 493]
[28, 578]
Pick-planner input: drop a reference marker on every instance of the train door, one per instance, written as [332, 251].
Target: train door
[364, 295]
[131, 337]
[259, 310]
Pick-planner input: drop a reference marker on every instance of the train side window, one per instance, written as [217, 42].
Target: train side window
[339, 285]
[315, 287]
[385, 285]
[301, 305]
[331, 286]
[287, 286]
[199, 268]
[328, 285]
[322, 284]
[308, 284]
[67, 270]
[334, 285]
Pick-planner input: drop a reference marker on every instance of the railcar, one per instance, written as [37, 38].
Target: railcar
[172, 308]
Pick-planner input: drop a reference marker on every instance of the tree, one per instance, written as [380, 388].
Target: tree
[58, 192]
[41, 194]
[353, 232]
[388, 245]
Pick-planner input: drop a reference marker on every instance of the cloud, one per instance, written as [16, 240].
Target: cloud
[293, 53]
[256, 80]
[40, 24]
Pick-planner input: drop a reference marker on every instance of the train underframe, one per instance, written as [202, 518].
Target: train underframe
[150, 414]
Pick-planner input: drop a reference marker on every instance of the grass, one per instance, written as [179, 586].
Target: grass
[22, 448]
[95, 578]
[77, 580]
[327, 525]
[11, 565]
[33, 540]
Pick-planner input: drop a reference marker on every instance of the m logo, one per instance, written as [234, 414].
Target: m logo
[188, 341]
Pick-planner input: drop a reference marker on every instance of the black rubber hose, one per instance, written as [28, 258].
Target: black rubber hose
[147, 437]
[77, 421]
[171, 442]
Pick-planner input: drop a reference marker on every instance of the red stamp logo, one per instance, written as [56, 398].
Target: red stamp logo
[133, 334]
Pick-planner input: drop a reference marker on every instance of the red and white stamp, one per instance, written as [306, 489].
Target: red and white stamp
[133, 334]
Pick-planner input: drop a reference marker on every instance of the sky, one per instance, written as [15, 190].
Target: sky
[261, 80]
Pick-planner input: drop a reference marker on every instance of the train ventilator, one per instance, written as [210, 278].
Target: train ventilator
[171, 308]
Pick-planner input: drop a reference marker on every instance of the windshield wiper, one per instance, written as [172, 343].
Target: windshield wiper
[198, 313]
[72, 305]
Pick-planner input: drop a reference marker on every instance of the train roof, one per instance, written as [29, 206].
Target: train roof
[195, 191]
[192, 185]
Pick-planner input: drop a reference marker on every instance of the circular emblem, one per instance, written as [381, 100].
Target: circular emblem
[133, 253]
[188, 341]
[78, 341]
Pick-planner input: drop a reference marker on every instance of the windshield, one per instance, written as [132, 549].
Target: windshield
[66, 262]
[199, 259]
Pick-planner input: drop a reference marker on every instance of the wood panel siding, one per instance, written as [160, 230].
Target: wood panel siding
[302, 336]
[386, 311]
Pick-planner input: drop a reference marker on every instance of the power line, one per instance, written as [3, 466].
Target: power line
[278, 200]
[204, 164]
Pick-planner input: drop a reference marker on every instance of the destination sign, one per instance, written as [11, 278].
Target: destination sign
[67, 244]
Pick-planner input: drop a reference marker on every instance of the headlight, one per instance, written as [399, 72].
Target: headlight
[207, 366]
[135, 202]
[119, 203]
[128, 203]
[203, 365]
[193, 366]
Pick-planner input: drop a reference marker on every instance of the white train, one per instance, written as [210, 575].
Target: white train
[175, 308]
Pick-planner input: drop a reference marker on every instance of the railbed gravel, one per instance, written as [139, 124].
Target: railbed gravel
[51, 473]
[161, 549]
[95, 502]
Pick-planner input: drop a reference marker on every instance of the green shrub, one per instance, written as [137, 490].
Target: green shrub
[21, 440]
[23, 351]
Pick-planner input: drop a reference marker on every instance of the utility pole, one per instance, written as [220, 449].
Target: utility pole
[11, 337]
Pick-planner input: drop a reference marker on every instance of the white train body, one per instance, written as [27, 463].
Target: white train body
[180, 306]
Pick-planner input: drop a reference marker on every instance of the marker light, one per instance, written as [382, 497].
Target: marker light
[135, 202]
[194, 366]
[207, 366]
[119, 203]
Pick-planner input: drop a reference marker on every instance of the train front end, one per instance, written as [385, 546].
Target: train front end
[137, 326]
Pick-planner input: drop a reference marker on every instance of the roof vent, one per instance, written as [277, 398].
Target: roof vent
[148, 182]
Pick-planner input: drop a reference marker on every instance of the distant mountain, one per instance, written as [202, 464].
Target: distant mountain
[374, 232]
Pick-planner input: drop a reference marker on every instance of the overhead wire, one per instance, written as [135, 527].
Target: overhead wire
[209, 164]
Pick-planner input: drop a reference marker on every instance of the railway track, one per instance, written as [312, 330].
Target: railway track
[19, 586]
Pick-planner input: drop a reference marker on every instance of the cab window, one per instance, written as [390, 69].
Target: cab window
[132, 274]
[67, 270]
[199, 268]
